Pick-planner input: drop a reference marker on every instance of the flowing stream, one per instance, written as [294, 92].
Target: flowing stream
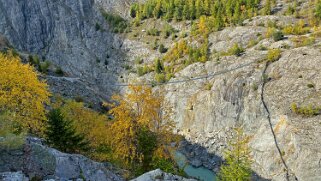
[201, 173]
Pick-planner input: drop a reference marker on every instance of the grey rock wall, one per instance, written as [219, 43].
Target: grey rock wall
[35, 160]
[64, 32]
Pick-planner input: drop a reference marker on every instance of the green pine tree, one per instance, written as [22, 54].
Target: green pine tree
[158, 66]
[62, 135]
[267, 9]
[318, 10]
[238, 161]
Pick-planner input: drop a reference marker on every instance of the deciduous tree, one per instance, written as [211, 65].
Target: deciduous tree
[22, 94]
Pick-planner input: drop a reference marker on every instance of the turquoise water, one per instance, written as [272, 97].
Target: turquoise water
[201, 173]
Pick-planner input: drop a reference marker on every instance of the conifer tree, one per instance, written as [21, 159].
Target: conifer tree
[158, 66]
[237, 156]
[267, 8]
[62, 135]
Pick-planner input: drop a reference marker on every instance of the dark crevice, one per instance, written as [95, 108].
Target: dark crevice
[270, 123]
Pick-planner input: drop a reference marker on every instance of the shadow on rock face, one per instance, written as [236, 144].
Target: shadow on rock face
[200, 160]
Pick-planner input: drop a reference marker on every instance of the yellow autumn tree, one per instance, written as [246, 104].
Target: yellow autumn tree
[22, 94]
[137, 113]
[92, 125]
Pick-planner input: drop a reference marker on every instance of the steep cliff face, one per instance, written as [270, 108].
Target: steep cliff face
[65, 33]
[245, 91]
[258, 100]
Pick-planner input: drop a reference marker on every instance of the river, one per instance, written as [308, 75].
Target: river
[201, 173]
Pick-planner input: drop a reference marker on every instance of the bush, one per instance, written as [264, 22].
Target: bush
[310, 85]
[117, 23]
[168, 31]
[143, 70]
[97, 27]
[305, 110]
[296, 29]
[235, 50]
[252, 43]
[160, 78]
[138, 60]
[34, 60]
[303, 41]
[270, 31]
[59, 71]
[153, 32]
[159, 67]
[44, 67]
[273, 55]
[277, 36]
[162, 49]
[10, 138]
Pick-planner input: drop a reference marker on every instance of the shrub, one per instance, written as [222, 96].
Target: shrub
[162, 49]
[138, 60]
[117, 23]
[44, 66]
[255, 87]
[305, 110]
[34, 60]
[303, 41]
[10, 138]
[296, 29]
[273, 55]
[262, 48]
[277, 36]
[270, 31]
[159, 68]
[142, 70]
[59, 71]
[153, 32]
[160, 78]
[252, 43]
[235, 50]
[168, 31]
[97, 27]
[310, 85]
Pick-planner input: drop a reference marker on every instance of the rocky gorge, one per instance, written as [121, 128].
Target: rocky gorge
[237, 91]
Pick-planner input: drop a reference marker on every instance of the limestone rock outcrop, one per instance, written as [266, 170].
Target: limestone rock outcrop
[36, 160]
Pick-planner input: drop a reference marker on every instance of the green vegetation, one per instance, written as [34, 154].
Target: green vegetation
[273, 55]
[44, 67]
[159, 67]
[62, 135]
[142, 70]
[117, 23]
[296, 29]
[224, 12]
[238, 160]
[12, 136]
[153, 32]
[162, 49]
[168, 31]
[300, 41]
[59, 71]
[160, 77]
[236, 50]
[150, 135]
[277, 36]
[306, 110]
[22, 95]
